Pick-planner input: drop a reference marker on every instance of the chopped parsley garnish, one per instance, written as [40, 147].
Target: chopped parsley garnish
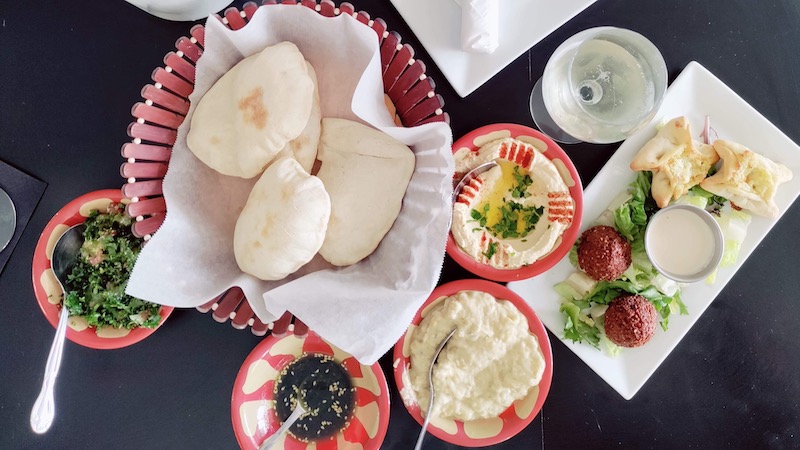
[516, 220]
[480, 216]
[96, 285]
[491, 250]
[512, 214]
[523, 182]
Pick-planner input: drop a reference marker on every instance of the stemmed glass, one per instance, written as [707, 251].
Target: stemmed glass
[599, 86]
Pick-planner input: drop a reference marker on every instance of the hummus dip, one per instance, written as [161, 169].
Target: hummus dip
[514, 214]
[491, 361]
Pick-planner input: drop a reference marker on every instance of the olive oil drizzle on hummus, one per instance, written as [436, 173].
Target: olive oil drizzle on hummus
[503, 217]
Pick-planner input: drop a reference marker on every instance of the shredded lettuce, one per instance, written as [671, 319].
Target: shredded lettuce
[584, 303]
[576, 329]
[734, 228]
[573, 255]
[691, 199]
[713, 202]
[630, 219]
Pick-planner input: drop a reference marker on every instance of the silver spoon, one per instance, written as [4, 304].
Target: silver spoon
[65, 254]
[8, 219]
[299, 410]
[430, 384]
[469, 176]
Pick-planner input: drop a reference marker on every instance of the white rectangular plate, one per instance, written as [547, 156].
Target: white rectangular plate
[695, 94]
[523, 23]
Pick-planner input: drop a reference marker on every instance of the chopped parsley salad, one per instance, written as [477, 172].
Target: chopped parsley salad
[584, 300]
[95, 287]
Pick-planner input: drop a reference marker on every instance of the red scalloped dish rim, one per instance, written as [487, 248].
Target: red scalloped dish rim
[69, 215]
[512, 424]
[310, 343]
[567, 239]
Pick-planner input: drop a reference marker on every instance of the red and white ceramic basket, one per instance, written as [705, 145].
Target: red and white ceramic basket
[165, 104]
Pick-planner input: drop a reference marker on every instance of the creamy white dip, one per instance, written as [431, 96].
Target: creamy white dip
[500, 187]
[680, 242]
[491, 361]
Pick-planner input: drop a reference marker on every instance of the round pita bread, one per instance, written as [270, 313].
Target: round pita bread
[303, 148]
[366, 173]
[283, 224]
[252, 112]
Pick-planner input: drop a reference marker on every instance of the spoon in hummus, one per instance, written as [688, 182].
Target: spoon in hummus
[471, 175]
[430, 384]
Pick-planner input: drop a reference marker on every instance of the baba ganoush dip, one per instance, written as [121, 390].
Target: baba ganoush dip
[514, 214]
[491, 361]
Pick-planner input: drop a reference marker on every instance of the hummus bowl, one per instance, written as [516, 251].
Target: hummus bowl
[485, 431]
[548, 187]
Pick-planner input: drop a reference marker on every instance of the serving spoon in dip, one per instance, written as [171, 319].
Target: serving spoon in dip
[299, 410]
[430, 385]
[65, 254]
[471, 175]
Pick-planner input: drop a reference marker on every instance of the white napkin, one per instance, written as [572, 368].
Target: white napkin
[480, 25]
[364, 308]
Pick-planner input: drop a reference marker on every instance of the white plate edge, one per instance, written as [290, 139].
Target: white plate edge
[588, 354]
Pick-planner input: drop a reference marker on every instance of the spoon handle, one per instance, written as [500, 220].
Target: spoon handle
[267, 444]
[430, 385]
[44, 409]
[425, 423]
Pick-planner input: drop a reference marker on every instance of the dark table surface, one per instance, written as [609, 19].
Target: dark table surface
[69, 73]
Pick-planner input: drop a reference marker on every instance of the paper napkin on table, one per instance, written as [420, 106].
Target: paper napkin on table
[480, 27]
[364, 308]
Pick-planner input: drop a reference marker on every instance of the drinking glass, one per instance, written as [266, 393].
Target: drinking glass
[599, 86]
[8, 219]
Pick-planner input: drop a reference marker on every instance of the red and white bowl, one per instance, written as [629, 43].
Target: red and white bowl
[253, 399]
[553, 152]
[165, 103]
[479, 433]
[48, 292]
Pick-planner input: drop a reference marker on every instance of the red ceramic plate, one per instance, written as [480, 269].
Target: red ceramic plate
[553, 152]
[48, 292]
[252, 403]
[480, 433]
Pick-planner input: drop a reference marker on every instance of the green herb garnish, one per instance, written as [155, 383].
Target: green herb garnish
[480, 216]
[523, 182]
[511, 214]
[491, 250]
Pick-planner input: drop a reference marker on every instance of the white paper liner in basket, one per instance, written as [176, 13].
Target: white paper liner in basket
[362, 309]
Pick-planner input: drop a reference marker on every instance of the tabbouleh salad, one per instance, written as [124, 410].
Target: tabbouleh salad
[96, 285]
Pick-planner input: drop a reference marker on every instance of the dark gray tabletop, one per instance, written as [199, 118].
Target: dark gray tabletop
[69, 73]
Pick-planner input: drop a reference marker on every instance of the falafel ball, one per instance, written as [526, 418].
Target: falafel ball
[603, 253]
[630, 320]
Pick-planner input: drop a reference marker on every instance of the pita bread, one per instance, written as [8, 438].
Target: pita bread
[282, 225]
[366, 172]
[303, 148]
[252, 112]
[677, 161]
[749, 180]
